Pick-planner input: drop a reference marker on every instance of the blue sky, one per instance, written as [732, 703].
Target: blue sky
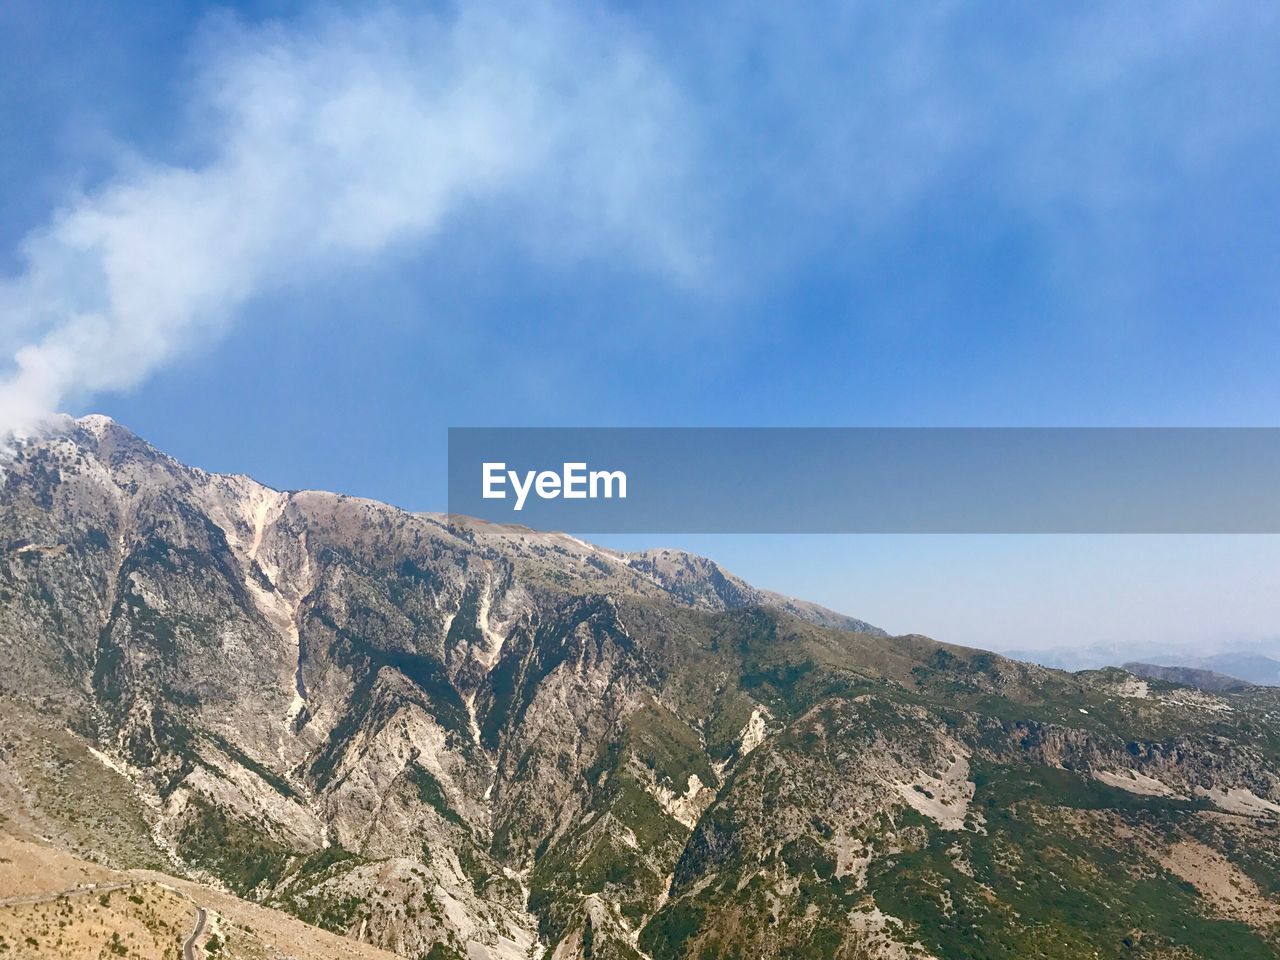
[300, 242]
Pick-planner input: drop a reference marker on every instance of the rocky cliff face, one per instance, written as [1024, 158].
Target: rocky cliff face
[477, 741]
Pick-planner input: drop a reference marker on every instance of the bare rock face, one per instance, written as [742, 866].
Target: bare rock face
[468, 740]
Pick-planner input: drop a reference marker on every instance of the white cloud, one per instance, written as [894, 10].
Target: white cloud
[793, 133]
[328, 144]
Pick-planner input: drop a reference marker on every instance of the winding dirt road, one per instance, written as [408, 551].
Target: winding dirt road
[189, 948]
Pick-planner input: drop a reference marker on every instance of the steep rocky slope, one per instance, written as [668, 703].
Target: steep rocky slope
[460, 740]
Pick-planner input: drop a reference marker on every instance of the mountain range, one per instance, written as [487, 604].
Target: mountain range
[340, 729]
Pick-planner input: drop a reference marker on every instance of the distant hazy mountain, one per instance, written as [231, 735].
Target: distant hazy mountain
[1247, 665]
[1187, 676]
[1250, 667]
[471, 741]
